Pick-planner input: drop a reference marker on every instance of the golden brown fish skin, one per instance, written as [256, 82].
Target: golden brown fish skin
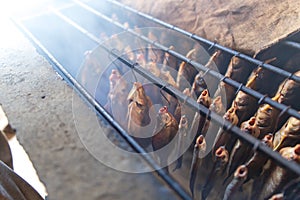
[222, 60]
[223, 137]
[241, 151]
[258, 160]
[207, 80]
[289, 91]
[198, 120]
[186, 73]
[217, 107]
[278, 177]
[198, 154]
[238, 70]
[288, 135]
[266, 118]
[117, 97]
[183, 109]
[139, 105]
[240, 176]
[182, 140]
[220, 163]
[261, 76]
[198, 85]
[245, 104]
[170, 62]
[154, 54]
[164, 132]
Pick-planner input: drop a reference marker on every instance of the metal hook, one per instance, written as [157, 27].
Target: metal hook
[262, 99]
[291, 75]
[256, 145]
[223, 78]
[212, 46]
[206, 72]
[239, 88]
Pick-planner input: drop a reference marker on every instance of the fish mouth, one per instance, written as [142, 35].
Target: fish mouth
[183, 121]
[263, 123]
[163, 110]
[241, 171]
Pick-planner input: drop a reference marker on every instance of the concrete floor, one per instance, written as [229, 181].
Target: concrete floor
[39, 105]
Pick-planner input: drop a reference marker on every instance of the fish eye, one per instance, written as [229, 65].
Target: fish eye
[138, 104]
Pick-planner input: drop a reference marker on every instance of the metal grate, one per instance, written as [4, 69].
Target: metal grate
[256, 144]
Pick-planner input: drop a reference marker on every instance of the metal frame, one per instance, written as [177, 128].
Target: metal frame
[102, 112]
[210, 43]
[261, 98]
[256, 144]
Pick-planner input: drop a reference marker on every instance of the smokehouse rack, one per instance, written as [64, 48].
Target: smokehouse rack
[229, 122]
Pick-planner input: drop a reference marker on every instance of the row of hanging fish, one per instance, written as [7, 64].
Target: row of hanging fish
[219, 159]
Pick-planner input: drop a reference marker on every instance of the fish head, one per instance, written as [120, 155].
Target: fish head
[263, 116]
[183, 122]
[231, 115]
[291, 153]
[235, 63]
[222, 155]
[250, 127]
[114, 77]
[164, 116]
[268, 140]
[266, 117]
[241, 172]
[288, 135]
[217, 106]
[288, 91]
[204, 98]
[293, 126]
[138, 96]
[199, 83]
[201, 143]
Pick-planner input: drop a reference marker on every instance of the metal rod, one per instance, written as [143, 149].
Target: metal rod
[202, 109]
[100, 110]
[210, 43]
[198, 66]
[292, 44]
